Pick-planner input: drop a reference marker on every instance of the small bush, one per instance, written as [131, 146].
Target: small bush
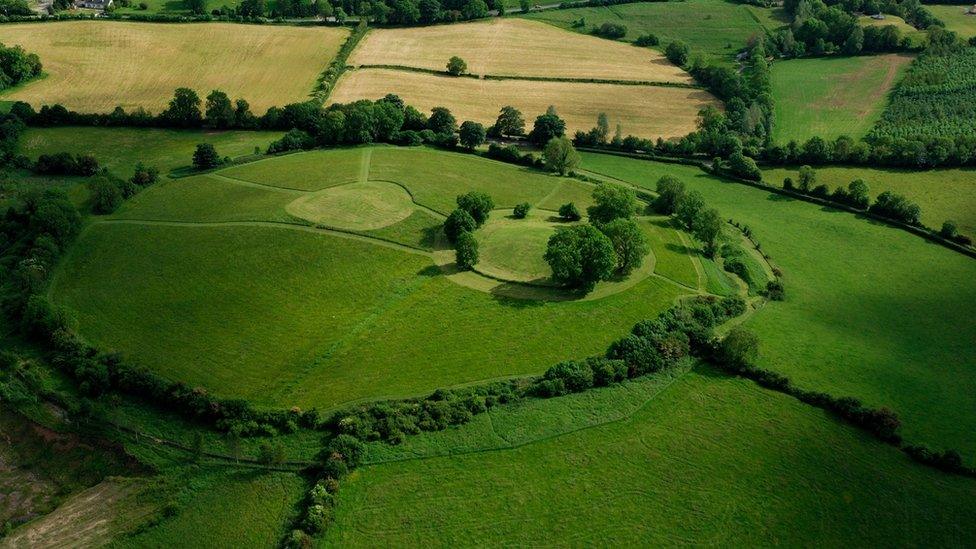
[521, 210]
[647, 40]
[570, 212]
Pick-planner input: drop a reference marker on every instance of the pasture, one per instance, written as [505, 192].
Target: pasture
[955, 18]
[515, 47]
[94, 66]
[693, 458]
[871, 311]
[258, 304]
[715, 28]
[832, 96]
[120, 149]
[645, 111]
[942, 194]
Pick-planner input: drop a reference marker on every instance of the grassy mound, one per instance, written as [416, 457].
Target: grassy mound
[512, 249]
[357, 206]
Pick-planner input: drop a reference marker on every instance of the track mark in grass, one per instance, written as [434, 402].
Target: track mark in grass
[695, 261]
[364, 167]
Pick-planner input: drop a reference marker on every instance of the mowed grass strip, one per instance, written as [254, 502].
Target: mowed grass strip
[120, 149]
[710, 460]
[942, 194]
[356, 206]
[832, 96]
[94, 66]
[645, 111]
[955, 18]
[308, 171]
[871, 311]
[515, 47]
[714, 27]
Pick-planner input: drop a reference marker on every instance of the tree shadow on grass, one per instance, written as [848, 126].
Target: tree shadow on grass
[433, 238]
[776, 197]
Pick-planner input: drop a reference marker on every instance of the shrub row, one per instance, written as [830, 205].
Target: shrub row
[337, 66]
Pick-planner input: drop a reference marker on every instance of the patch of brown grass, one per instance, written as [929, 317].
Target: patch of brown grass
[94, 66]
[645, 111]
[516, 47]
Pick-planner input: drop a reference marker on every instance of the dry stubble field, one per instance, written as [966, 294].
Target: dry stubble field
[516, 47]
[646, 111]
[94, 66]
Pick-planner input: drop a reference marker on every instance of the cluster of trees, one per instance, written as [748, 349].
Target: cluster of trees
[611, 244]
[817, 28]
[15, 8]
[17, 66]
[472, 212]
[84, 165]
[689, 211]
[108, 191]
[342, 454]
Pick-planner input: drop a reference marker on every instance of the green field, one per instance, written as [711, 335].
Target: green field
[871, 311]
[716, 28]
[955, 18]
[831, 96]
[120, 149]
[256, 303]
[942, 194]
[698, 460]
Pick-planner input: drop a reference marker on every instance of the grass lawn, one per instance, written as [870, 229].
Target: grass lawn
[716, 28]
[700, 460]
[831, 96]
[227, 508]
[942, 194]
[284, 314]
[94, 66]
[120, 149]
[515, 47]
[871, 311]
[644, 111]
[955, 18]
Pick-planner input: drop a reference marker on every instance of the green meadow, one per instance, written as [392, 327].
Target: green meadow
[216, 281]
[871, 311]
[832, 96]
[955, 18]
[714, 27]
[692, 458]
[942, 194]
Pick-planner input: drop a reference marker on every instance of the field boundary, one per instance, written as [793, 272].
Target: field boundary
[528, 78]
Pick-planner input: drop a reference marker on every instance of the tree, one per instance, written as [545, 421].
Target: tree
[106, 197]
[184, 109]
[629, 243]
[602, 129]
[857, 194]
[707, 229]
[510, 122]
[739, 348]
[670, 191]
[205, 157]
[220, 112]
[456, 66]
[949, 229]
[477, 204]
[580, 256]
[144, 176]
[442, 121]
[521, 210]
[196, 7]
[560, 155]
[458, 222]
[745, 167]
[677, 52]
[612, 202]
[430, 11]
[466, 251]
[546, 127]
[471, 134]
[243, 117]
[688, 208]
[570, 212]
[474, 9]
[807, 178]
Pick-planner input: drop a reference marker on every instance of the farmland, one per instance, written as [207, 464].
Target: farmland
[714, 27]
[942, 194]
[94, 67]
[515, 47]
[698, 459]
[833, 96]
[647, 111]
[891, 331]
[345, 340]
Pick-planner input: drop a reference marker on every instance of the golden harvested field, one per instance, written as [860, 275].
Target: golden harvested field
[94, 66]
[516, 47]
[645, 111]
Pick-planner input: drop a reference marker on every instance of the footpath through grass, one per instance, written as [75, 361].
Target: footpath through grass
[706, 460]
[871, 311]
